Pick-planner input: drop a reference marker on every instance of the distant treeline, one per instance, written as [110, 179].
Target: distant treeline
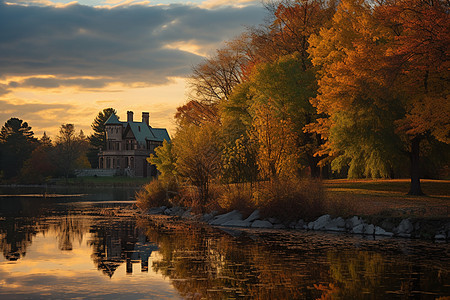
[25, 158]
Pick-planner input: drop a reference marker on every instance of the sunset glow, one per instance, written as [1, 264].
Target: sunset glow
[70, 59]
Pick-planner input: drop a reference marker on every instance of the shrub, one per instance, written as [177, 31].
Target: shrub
[237, 196]
[291, 199]
[154, 194]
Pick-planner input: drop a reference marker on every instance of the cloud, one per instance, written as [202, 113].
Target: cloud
[38, 115]
[135, 43]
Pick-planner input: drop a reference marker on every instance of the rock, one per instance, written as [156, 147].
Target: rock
[279, 226]
[405, 227]
[300, 224]
[188, 215]
[207, 217]
[369, 229]
[405, 235]
[359, 229]
[387, 225]
[440, 236]
[237, 223]
[168, 211]
[337, 224]
[381, 231]
[222, 219]
[261, 224]
[321, 222]
[353, 222]
[273, 220]
[156, 211]
[310, 226]
[292, 225]
[254, 216]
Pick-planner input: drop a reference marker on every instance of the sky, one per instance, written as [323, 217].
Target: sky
[64, 61]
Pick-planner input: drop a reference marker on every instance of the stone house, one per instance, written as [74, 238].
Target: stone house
[128, 144]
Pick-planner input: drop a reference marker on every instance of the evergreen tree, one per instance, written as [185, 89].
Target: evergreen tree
[17, 142]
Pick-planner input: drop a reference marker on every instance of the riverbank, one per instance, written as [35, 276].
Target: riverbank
[436, 229]
[366, 207]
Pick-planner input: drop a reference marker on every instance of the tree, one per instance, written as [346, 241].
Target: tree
[70, 150]
[41, 164]
[98, 138]
[371, 83]
[17, 142]
[419, 57]
[198, 153]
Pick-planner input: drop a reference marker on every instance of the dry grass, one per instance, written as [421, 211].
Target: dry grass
[289, 200]
[389, 198]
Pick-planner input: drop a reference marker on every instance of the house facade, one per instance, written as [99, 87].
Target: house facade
[129, 144]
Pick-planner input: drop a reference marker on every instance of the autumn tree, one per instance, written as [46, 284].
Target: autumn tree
[70, 151]
[41, 164]
[368, 89]
[198, 152]
[17, 143]
[419, 59]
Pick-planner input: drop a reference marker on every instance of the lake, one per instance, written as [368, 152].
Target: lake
[89, 243]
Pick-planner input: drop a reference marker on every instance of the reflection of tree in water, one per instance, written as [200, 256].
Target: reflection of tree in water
[117, 242]
[15, 236]
[357, 274]
[69, 229]
[207, 264]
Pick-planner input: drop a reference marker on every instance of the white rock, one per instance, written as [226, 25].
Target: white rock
[405, 227]
[237, 223]
[439, 236]
[279, 226]
[187, 215]
[254, 216]
[381, 231]
[359, 229]
[353, 221]
[222, 219]
[300, 224]
[155, 211]
[273, 220]
[405, 235]
[261, 224]
[321, 222]
[369, 229]
[337, 224]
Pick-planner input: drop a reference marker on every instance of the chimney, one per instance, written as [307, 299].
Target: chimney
[145, 117]
[129, 116]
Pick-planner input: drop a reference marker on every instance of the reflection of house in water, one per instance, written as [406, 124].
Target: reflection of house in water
[121, 242]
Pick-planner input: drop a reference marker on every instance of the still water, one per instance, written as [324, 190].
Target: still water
[90, 244]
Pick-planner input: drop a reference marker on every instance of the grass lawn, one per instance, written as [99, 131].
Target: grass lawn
[388, 198]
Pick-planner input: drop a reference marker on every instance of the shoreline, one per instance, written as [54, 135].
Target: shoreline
[437, 229]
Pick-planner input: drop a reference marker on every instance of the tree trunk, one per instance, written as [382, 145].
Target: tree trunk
[415, 188]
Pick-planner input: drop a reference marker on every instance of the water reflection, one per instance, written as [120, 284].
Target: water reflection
[90, 249]
[203, 263]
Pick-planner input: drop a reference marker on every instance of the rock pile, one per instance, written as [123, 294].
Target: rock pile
[406, 228]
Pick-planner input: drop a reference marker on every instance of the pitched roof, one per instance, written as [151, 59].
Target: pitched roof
[141, 131]
[113, 120]
[161, 134]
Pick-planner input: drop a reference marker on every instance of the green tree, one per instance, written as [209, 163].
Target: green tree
[97, 140]
[41, 164]
[198, 152]
[70, 150]
[17, 143]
